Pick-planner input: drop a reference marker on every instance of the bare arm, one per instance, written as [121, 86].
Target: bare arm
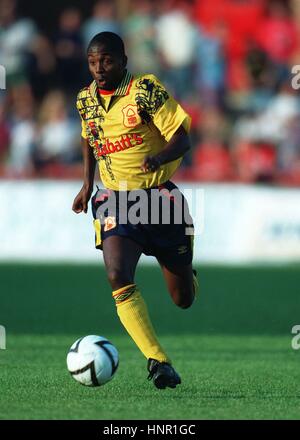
[178, 145]
[89, 164]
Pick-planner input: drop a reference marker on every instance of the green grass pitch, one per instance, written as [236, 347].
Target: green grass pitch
[232, 348]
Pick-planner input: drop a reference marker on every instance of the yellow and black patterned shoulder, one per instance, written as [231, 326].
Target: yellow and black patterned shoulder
[83, 97]
[150, 95]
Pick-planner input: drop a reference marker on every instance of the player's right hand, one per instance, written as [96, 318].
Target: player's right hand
[81, 200]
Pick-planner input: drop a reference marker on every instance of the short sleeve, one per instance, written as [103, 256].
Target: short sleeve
[170, 117]
[166, 113]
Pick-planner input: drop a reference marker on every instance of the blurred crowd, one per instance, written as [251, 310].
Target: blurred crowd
[228, 62]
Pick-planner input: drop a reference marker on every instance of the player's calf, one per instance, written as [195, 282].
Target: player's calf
[133, 314]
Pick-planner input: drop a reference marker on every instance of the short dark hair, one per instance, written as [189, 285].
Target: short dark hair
[109, 39]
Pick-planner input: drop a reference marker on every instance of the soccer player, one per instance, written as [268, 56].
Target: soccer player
[137, 133]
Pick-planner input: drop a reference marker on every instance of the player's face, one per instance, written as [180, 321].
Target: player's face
[106, 67]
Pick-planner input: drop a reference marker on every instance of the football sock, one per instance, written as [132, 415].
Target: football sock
[133, 314]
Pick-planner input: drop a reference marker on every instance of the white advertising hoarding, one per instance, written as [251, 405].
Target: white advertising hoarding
[234, 223]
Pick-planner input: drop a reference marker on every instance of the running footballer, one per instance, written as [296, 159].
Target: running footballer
[137, 134]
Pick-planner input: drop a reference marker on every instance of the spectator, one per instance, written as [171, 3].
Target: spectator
[68, 48]
[4, 136]
[211, 157]
[139, 35]
[277, 35]
[282, 108]
[16, 35]
[289, 151]
[103, 19]
[214, 126]
[42, 66]
[271, 124]
[210, 70]
[211, 162]
[254, 161]
[22, 133]
[175, 39]
[261, 82]
[241, 18]
[277, 32]
[57, 139]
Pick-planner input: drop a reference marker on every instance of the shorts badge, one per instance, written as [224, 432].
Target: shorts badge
[109, 223]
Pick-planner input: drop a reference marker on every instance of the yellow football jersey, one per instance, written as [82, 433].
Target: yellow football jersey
[137, 120]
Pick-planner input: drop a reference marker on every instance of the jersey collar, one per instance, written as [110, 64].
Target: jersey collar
[122, 89]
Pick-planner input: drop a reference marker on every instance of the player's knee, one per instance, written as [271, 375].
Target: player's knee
[183, 298]
[117, 278]
[186, 303]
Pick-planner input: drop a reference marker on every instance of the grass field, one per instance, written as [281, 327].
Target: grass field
[232, 348]
[224, 377]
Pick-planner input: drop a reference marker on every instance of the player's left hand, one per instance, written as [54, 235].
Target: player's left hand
[150, 163]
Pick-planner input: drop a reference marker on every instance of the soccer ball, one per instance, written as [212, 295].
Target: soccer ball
[92, 360]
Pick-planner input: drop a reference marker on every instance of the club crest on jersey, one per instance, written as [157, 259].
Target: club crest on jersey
[130, 115]
[109, 223]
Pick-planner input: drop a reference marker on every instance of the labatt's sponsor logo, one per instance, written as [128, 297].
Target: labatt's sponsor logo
[125, 142]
